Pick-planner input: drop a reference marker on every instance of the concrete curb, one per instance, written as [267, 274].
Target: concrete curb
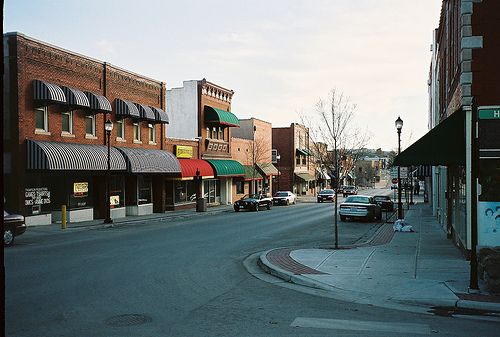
[476, 305]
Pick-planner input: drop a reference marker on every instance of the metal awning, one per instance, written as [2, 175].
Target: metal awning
[150, 161]
[75, 157]
[443, 145]
[126, 109]
[268, 169]
[301, 152]
[251, 173]
[146, 113]
[75, 98]
[98, 103]
[422, 171]
[305, 176]
[323, 174]
[160, 115]
[45, 93]
[189, 167]
[219, 116]
[227, 168]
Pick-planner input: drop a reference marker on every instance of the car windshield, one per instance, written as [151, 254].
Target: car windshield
[382, 198]
[281, 194]
[358, 200]
[349, 187]
[326, 192]
[251, 196]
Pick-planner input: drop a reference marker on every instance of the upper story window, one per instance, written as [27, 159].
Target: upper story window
[214, 132]
[90, 125]
[152, 133]
[137, 131]
[67, 122]
[120, 129]
[208, 133]
[297, 160]
[221, 133]
[42, 119]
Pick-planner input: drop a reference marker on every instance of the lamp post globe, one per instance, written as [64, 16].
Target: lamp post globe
[399, 125]
[108, 126]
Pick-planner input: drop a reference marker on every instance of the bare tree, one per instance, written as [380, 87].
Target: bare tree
[260, 153]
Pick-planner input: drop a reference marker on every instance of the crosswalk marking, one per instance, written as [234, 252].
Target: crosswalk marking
[340, 324]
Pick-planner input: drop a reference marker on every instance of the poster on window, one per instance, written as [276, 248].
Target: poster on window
[488, 223]
[81, 189]
[114, 200]
[36, 196]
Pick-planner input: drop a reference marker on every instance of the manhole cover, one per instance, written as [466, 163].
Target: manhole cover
[128, 320]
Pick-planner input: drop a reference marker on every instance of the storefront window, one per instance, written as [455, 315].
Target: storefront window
[145, 190]
[211, 191]
[184, 191]
[240, 186]
[79, 194]
[117, 191]
[489, 178]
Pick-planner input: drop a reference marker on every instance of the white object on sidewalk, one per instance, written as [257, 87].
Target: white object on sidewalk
[401, 226]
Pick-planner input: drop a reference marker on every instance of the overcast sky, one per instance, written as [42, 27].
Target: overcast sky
[279, 56]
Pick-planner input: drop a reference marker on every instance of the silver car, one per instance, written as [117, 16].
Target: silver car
[360, 206]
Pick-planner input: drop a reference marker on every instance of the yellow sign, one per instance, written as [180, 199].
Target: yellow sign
[80, 189]
[183, 151]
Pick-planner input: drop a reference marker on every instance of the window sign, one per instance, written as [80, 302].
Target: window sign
[488, 221]
[36, 196]
[114, 200]
[81, 189]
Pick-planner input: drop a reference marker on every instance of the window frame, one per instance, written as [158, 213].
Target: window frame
[120, 129]
[152, 133]
[93, 121]
[70, 122]
[137, 131]
[45, 112]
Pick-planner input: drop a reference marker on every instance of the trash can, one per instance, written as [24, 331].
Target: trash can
[201, 205]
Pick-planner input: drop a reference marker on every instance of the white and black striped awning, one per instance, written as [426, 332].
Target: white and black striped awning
[126, 109]
[422, 171]
[146, 113]
[160, 115]
[45, 93]
[75, 98]
[150, 161]
[98, 103]
[66, 156]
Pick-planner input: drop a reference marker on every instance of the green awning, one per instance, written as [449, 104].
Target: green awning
[301, 152]
[307, 152]
[268, 169]
[305, 176]
[227, 168]
[219, 116]
[251, 173]
[443, 145]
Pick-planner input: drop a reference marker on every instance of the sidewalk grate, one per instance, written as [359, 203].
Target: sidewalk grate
[281, 258]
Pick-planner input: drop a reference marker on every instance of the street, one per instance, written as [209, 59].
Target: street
[185, 277]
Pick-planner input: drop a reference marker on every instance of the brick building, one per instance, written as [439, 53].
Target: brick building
[296, 165]
[251, 146]
[55, 105]
[202, 110]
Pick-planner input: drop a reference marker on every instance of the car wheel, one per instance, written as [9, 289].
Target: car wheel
[256, 207]
[287, 202]
[343, 218]
[8, 237]
[269, 206]
[319, 201]
[236, 209]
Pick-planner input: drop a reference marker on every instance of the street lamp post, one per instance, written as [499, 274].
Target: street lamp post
[253, 189]
[278, 157]
[108, 126]
[399, 126]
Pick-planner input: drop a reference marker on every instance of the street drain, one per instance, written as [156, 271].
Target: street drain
[128, 320]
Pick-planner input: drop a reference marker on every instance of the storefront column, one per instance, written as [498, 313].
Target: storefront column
[159, 195]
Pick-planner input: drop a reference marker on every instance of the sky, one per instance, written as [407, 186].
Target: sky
[279, 56]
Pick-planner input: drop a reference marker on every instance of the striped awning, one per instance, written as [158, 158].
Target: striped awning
[268, 169]
[126, 109]
[75, 98]
[227, 167]
[189, 167]
[98, 103]
[252, 173]
[305, 176]
[45, 93]
[160, 115]
[66, 156]
[150, 161]
[222, 117]
[146, 113]
[422, 171]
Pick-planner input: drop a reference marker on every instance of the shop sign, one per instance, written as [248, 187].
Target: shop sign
[36, 196]
[114, 200]
[182, 151]
[488, 220]
[81, 189]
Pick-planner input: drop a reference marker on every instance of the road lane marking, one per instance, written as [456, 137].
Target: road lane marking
[340, 324]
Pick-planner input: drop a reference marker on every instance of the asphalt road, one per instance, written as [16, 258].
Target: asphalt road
[185, 277]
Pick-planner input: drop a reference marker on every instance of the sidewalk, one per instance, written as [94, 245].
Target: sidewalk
[398, 270]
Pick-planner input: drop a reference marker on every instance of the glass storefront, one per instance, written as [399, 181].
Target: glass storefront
[145, 187]
[184, 191]
[117, 191]
[211, 191]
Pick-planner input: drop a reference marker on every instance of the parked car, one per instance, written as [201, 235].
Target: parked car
[385, 202]
[284, 198]
[13, 225]
[350, 190]
[327, 194]
[360, 206]
[253, 202]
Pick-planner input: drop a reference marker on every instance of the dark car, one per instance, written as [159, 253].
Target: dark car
[385, 202]
[360, 206]
[350, 190]
[253, 202]
[13, 225]
[326, 194]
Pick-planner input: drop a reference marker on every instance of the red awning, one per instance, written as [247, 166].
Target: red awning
[189, 167]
